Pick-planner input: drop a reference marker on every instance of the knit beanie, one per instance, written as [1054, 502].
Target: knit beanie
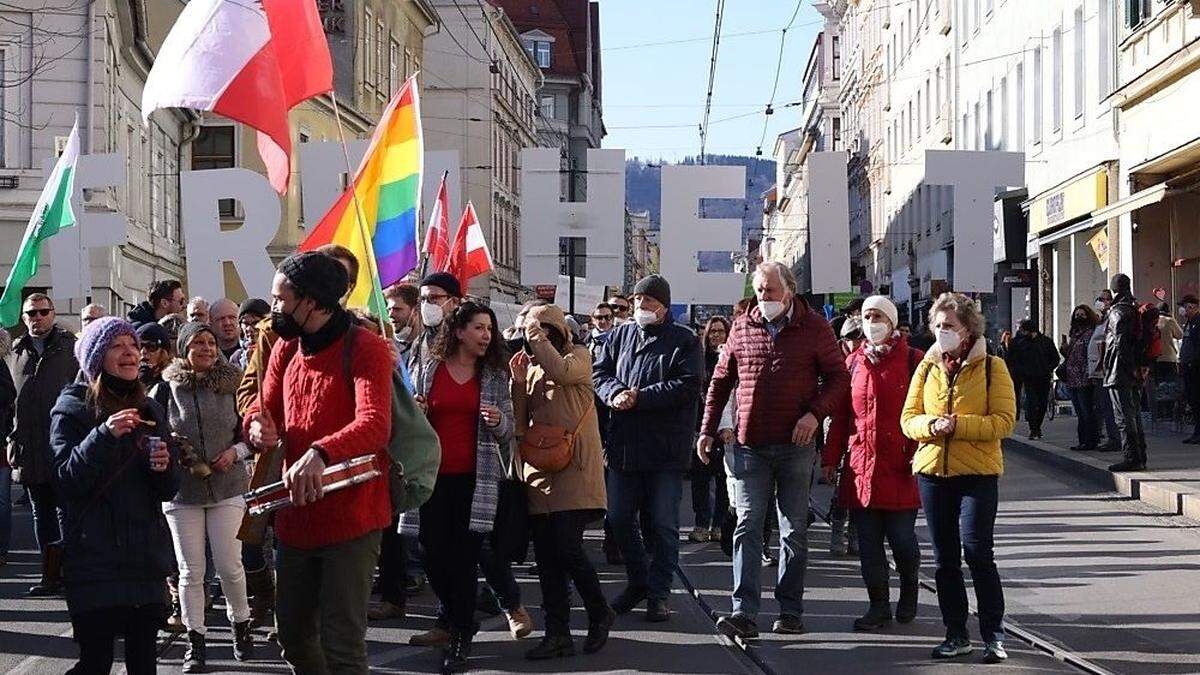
[255, 306]
[655, 286]
[884, 305]
[152, 331]
[317, 276]
[95, 341]
[188, 332]
[445, 281]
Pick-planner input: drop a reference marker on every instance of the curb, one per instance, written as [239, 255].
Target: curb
[1171, 496]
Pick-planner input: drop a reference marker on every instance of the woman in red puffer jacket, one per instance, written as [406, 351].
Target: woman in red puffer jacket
[867, 447]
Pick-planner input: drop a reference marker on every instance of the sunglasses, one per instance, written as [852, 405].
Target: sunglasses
[621, 309]
[603, 317]
[37, 312]
[153, 345]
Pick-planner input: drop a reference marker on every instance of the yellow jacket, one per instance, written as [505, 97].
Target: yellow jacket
[985, 414]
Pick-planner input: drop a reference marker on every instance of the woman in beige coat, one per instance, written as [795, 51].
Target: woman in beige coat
[552, 385]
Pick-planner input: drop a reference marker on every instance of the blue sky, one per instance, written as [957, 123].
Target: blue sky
[665, 84]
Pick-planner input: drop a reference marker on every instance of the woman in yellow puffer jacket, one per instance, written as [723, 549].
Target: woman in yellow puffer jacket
[960, 406]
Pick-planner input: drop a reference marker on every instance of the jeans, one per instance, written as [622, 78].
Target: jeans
[48, 523]
[1087, 424]
[709, 511]
[558, 545]
[499, 575]
[784, 472]
[5, 509]
[899, 529]
[96, 631]
[656, 495]
[960, 512]
[321, 604]
[1104, 410]
[1126, 403]
[193, 525]
[452, 550]
[1037, 398]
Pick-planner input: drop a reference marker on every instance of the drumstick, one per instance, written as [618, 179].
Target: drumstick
[149, 423]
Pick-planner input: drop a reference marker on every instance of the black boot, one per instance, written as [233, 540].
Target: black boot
[880, 612]
[243, 641]
[51, 582]
[194, 657]
[906, 607]
[261, 584]
[454, 660]
[597, 634]
[552, 647]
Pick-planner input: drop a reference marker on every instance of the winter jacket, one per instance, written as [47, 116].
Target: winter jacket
[118, 547]
[778, 380]
[1189, 352]
[595, 345]
[878, 472]
[8, 401]
[1122, 354]
[663, 362]
[1095, 353]
[1032, 358]
[256, 366]
[1077, 356]
[143, 313]
[1169, 331]
[558, 391]
[315, 406]
[985, 414]
[38, 381]
[205, 412]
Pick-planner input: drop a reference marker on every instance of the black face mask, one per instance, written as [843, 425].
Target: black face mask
[286, 326]
[517, 344]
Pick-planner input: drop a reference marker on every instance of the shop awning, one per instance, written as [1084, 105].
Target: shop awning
[1135, 201]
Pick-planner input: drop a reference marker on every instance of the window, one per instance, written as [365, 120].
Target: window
[368, 52]
[1136, 11]
[1003, 131]
[1104, 81]
[380, 72]
[837, 58]
[928, 104]
[1019, 108]
[940, 84]
[964, 20]
[837, 133]
[539, 51]
[1056, 77]
[394, 65]
[157, 178]
[548, 111]
[978, 16]
[989, 131]
[214, 149]
[1080, 40]
[978, 127]
[1038, 86]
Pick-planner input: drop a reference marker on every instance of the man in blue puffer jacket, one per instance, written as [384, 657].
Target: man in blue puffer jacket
[649, 374]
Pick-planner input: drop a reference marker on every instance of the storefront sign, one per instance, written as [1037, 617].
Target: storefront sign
[333, 16]
[1073, 200]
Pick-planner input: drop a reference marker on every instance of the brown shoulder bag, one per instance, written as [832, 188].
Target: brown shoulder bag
[549, 448]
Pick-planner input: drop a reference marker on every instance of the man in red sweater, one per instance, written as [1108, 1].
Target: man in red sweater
[790, 373]
[328, 544]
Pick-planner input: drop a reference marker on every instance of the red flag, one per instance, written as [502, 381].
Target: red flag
[469, 257]
[437, 241]
[251, 62]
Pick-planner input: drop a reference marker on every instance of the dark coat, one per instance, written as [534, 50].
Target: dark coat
[143, 313]
[8, 400]
[663, 362]
[39, 380]
[118, 547]
[1032, 358]
[1189, 351]
[1122, 354]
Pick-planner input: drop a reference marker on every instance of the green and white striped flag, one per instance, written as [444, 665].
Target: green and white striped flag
[52, 213]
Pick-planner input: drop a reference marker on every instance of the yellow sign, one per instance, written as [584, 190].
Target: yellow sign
[1073, 200]
[1099, 244]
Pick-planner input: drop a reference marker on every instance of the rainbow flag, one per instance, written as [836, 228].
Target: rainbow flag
[385, 194]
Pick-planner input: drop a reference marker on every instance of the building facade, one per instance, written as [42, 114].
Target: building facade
[480, 97]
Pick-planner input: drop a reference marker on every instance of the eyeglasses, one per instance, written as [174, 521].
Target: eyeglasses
[434, 299]
[38, 312]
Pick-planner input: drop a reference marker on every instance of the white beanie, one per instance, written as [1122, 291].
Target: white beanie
[884, 305]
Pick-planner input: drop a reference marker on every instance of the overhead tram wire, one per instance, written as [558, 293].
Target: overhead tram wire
[712, 76]
[775, 87]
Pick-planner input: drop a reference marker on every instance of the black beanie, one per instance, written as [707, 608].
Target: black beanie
[188, 332]
[655, 286]
[317, 276]
[255, 306]
[445, 281]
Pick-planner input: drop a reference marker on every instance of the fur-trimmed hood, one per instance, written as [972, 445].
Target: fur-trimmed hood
[222, 378]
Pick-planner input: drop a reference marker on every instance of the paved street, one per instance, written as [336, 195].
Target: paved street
[1100, 576]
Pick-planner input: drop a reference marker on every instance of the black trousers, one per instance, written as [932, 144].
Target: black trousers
[1037, 397]
[451, 550]
[1191, 391]
[96, 632]
[558, 544]
[1126, 402]
[393, 563]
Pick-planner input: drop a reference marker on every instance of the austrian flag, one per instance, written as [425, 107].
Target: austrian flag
[469, 256]
[249, 60]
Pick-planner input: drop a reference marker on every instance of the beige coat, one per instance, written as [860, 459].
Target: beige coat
[558, 391]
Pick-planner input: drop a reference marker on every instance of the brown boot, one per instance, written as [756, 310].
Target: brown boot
[51, 583]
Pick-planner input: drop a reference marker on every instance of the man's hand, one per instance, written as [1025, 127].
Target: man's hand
[303, 479]
[829, 473]
[262, 431]
[519, 365]
[534, 332]
[727, 436]
[625, 400]
[420, 401]
[225, 460]
[806, 427]
[704, 448]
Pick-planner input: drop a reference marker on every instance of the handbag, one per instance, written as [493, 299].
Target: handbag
[510, 532]
[547, 447]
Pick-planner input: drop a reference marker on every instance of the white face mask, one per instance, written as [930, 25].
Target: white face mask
[644, 317]
[1099, 306]
[771, 309]
[432, 315]
[876, 331]
[948, 340]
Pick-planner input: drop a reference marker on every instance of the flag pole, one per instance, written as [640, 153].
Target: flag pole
[361, 219]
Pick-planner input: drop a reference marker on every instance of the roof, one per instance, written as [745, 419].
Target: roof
[567, 21]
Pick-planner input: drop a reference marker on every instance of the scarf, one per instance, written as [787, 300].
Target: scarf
[334, 328]
[877, 353]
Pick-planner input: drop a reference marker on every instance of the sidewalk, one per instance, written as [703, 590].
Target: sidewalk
[1171, 483]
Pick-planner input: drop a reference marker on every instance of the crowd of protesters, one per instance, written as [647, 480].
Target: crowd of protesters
[138, 439]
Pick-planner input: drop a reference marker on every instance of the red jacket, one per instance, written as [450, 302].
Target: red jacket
[878, 473]
[321, 410]
[778, 380]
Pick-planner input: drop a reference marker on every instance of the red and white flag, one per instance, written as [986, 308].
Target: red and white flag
[469, 257]
[249, 60]
[437, 240]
